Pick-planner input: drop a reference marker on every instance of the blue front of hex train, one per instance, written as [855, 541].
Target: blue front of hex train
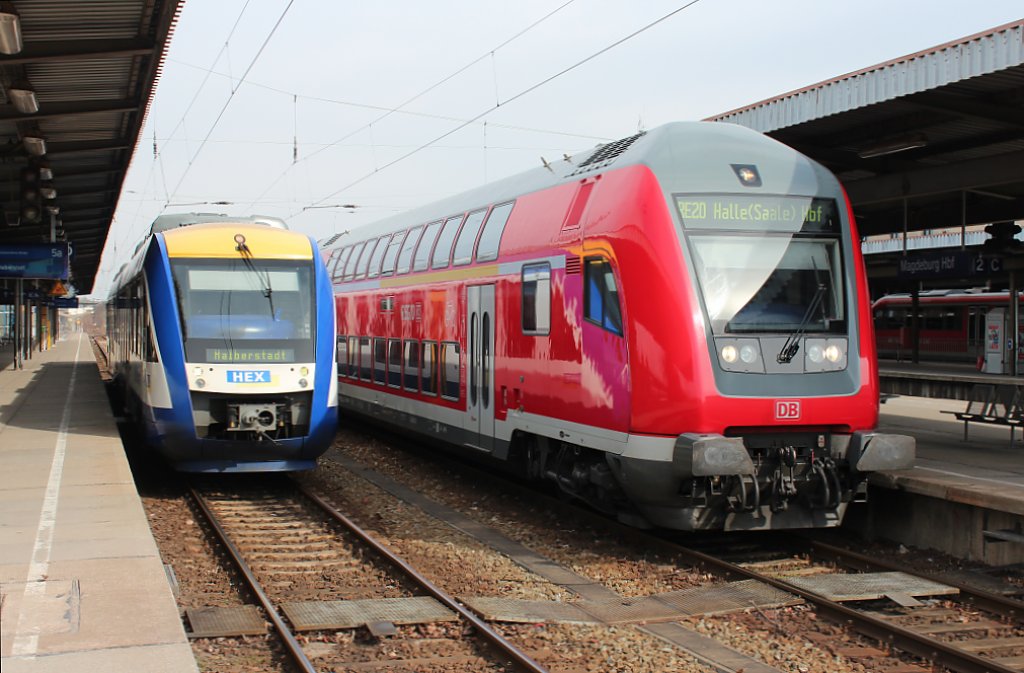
[221, 339]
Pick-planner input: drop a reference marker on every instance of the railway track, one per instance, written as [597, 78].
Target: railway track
[315, 573]
[960, 628]
[950, 625]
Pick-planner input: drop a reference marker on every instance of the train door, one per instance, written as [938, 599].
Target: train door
[480, 386]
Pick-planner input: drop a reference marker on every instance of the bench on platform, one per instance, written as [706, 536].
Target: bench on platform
[995, 405]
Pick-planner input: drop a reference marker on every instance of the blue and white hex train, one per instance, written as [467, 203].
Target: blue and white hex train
[221, 340]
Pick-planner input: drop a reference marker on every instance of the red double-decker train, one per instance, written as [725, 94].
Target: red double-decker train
[952, 326]
[674, 327]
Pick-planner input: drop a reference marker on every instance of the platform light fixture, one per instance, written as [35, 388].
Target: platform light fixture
[45, 172]
[893, 145]
[47, 190]
[10, 29]
[34, 145]
[23, 98]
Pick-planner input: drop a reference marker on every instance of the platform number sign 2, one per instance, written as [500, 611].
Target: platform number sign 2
[787, 410]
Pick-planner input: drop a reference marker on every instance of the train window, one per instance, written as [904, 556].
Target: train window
[487, 248]
[422, 259]
[342, 355]
[485, 375]
[394, 363]
[378, 255]
[428, 368]
[352, 365]
[350, 265]
[601, 296]
[411, 379]
[365, 358]
[405, 256]
[380, 358]
[467, 238]
[472, 367]
[443, 249]
[536, 298]
[339, 266]
[364, 259]
[387, 268]
[450, 370]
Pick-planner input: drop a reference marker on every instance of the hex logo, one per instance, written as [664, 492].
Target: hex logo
[787, 410]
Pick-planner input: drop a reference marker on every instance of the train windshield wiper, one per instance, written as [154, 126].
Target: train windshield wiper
[792, 344]
[264, 280]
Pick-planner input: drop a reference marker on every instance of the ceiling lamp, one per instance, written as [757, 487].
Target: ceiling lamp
[34, 145]
[47, 191]
[10, 29]
[45, 172]
[23, 98]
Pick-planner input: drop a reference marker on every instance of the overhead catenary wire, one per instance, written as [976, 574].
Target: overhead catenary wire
[231, 97]
[390, 111]
[489, 110]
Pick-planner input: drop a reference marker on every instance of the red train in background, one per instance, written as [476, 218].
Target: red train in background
[953, 326]
[674, 327]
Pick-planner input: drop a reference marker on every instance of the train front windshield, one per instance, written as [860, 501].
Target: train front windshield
[245, 311]
[766, 264]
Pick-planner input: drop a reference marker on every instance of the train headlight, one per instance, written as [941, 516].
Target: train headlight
[304, 371]
[197, 371]
[740, 355]
[303, 383]
[200, 383]
[824, 355]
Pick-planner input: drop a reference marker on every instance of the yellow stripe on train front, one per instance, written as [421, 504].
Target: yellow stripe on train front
[217, 239]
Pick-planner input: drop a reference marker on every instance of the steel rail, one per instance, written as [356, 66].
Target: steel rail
[520, 658]
[984, 600]
[902, 638]
[879, 629]
[294, 648]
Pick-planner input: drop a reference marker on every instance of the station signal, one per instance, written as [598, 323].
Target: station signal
[31, 199]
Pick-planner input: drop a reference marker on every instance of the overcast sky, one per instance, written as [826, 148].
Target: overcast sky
[298, 109]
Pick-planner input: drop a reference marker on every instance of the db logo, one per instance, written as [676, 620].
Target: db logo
[787, 410]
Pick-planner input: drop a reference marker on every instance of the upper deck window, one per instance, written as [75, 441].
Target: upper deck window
[387, 267]
[405, 256]
[490, 239]
[467, 238]
[443, 249]
[364, 259]
[353, 260]
[339, 263]
[378, 255]
[422, 259]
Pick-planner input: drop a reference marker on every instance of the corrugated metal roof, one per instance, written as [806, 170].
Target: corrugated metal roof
[981, 54]
[93, 66]
[930, 140]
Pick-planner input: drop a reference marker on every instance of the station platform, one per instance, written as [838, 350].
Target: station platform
[83, 587]
[946, 380]
[963, 497]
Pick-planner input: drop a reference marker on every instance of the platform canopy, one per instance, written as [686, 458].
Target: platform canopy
[930, 140]
[77, 79]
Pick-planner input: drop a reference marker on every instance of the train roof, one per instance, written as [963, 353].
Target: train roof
[677, 153]
[956, 296]
[174, 220]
